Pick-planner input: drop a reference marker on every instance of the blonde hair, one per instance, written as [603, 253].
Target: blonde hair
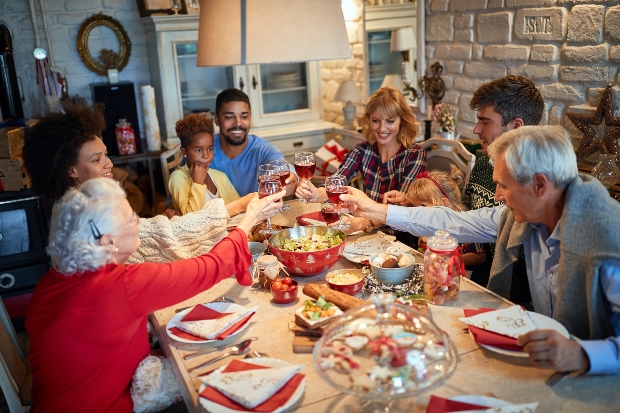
[425, 190]
[389, 101]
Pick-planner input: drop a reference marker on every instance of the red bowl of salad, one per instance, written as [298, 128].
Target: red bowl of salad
[308, 250]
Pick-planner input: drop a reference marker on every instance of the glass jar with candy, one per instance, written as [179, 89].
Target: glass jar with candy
[443, 267]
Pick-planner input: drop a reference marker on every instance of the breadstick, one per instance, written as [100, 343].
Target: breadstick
[341, 300]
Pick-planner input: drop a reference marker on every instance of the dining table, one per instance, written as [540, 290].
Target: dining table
[479, 371]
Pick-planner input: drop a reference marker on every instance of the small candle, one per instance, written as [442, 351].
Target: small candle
[429, 112]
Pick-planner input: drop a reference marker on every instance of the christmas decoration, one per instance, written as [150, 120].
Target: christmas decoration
[590, 145]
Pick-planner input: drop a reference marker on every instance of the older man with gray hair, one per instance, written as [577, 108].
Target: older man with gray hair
[570, 229]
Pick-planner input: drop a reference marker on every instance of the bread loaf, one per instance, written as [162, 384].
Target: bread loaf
[341, 300]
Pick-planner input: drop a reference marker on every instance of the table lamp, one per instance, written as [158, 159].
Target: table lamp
[243, 32]
[394, 80]
[347, 92]
[403, 40]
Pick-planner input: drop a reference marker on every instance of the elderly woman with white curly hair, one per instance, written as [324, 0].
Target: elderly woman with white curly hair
[87, 315]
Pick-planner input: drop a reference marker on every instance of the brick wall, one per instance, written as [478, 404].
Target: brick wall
[64, 18]
[569, 48]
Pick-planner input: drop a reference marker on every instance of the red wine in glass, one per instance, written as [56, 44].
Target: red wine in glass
[334, 194]
[305, 171]
[330, 216]
[283, 177]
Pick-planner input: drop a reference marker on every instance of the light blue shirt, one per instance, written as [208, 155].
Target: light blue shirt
[242, 170]
[542, 257]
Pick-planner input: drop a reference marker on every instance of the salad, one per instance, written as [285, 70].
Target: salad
[319, 309]
[314, 243]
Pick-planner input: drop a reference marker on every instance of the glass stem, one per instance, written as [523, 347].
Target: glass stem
[269, 225]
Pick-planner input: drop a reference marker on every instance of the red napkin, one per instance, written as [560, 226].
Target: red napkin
[441, 405]
[269, 405]
[312, 215]
[488, 337]
[201, 312]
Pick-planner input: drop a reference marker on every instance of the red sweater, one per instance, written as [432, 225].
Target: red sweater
[88, 331]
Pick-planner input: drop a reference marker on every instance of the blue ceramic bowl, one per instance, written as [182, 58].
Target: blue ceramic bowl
[392, 276]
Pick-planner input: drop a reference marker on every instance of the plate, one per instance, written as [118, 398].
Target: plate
[220, 307]
[218, 408]
[542, 322]
[490, 402]
[375, 244]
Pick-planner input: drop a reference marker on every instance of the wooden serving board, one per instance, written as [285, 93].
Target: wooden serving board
[304, 344]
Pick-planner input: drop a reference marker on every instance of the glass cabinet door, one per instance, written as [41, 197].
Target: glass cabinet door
[381, 61]
[199, 86]
[284, 87]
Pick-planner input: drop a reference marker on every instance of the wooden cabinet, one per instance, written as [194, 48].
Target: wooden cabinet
[285, 98]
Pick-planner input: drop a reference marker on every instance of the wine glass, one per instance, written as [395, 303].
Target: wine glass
[329, 212]
[268, 184]
[305, 166]
[336, 186]
[283, 172]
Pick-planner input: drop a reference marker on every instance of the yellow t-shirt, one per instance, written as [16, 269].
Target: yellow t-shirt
[188, 196]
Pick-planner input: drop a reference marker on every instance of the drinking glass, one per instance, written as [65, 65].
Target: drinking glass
[329, 212]
[304, 167]
[336, 186]
[268, 184]
[283, 172]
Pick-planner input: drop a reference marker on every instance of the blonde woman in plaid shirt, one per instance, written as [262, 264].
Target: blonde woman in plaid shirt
[388, 161]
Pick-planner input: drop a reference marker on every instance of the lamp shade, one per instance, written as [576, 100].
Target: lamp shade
[240, 32]
[348, 91]
[402, 39]
[393, 80]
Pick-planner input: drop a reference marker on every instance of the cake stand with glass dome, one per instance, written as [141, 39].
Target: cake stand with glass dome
[384, 354]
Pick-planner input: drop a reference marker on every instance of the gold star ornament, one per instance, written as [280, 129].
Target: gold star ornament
[589, 144]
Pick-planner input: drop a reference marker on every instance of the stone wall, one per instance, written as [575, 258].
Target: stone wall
[569, 48]
[64, 18]
[333, 72]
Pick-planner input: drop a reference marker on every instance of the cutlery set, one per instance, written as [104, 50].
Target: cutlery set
[218, 300]
[235, 350]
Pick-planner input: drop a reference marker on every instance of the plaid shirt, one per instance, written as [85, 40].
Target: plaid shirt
[379, 178]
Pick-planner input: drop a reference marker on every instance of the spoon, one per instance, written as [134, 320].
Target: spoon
[234, 351]
[211, 350]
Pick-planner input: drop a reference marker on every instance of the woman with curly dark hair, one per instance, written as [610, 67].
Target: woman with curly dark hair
[65, 149]
[193, 185]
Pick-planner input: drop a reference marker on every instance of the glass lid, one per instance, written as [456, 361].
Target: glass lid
[384, 350]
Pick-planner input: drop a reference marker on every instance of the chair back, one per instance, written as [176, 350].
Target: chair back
[170, 162]
[447, 153]
[15, 378]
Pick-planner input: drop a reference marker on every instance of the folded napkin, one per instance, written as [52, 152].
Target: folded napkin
[441, 405]
[375, 244]
[512, 321]
[201, 313]
[312, 218]
[241, 385]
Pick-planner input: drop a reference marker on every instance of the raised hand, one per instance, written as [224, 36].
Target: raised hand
[306, 190]
[396, 198]
[260, 209]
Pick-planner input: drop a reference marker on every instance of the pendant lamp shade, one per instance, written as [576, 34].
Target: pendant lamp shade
[241, 32]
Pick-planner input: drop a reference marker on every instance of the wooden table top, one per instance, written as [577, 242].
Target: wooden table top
[479, 371]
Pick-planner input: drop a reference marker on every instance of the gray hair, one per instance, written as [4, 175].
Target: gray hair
[73, 247]
[537, 149]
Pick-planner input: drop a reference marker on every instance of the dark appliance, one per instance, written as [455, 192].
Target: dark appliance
[119, 103]
[23, 259]
[10, 103]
